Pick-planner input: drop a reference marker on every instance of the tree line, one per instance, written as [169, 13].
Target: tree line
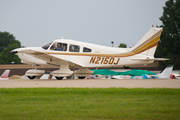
[169, 44]
[7, 43]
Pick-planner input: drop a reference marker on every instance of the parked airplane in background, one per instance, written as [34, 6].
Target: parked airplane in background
[164, 74]
[5, 75]
[69, 53]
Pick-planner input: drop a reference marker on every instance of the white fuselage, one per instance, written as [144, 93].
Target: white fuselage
[99, 56]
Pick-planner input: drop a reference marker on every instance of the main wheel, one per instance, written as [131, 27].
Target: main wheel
[83, 77]
[59, 78]
[31, 77]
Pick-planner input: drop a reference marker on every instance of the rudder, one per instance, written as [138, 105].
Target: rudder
[147, 45]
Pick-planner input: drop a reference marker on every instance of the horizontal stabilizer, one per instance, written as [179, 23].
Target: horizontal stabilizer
[147, 59]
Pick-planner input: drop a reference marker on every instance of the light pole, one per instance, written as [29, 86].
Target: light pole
[112, 42]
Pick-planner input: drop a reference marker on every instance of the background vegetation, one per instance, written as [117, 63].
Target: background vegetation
[8, 43]
[169, 44]
[122, 45]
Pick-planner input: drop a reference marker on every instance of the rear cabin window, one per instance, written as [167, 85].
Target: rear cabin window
[58, 46]
[74, 48]
[85, 49]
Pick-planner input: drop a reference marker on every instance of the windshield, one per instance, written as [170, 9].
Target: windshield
[46, 46]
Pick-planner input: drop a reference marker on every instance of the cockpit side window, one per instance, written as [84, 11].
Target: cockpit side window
[85, 49]
[58, 46]
[46, 46]
[74, 48]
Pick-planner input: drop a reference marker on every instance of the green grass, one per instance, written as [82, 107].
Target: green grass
[89, 103]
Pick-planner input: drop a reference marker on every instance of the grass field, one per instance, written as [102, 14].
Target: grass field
[89, 103]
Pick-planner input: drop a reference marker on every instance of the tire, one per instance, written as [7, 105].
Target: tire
[31, 77]
[83, 77]
[59, 78]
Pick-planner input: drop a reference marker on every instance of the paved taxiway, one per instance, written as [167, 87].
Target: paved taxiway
[97, 83]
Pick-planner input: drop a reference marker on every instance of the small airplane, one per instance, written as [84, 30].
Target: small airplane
[5, 75]
[68, 53]
[164, 74]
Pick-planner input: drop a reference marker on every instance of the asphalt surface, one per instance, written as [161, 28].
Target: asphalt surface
[92, 83]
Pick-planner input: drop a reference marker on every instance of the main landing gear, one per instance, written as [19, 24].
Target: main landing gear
[82, 77]
[59, 78]
[31, 77]
[83, 72]
[64, 71]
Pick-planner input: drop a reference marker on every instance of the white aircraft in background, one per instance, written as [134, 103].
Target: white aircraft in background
[69, 53]
[164, 74]
[5, 75]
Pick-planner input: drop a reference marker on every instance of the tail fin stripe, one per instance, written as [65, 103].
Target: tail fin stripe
[151, 46]
[146, 46]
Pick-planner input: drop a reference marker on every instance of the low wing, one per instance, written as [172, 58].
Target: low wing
[53, 60]
[147, 59]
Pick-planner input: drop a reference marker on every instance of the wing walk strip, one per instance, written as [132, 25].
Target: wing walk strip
[143, 47]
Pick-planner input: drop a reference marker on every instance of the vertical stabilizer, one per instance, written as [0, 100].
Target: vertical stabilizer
[147, 45]
[5, 74]
[165, 74]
